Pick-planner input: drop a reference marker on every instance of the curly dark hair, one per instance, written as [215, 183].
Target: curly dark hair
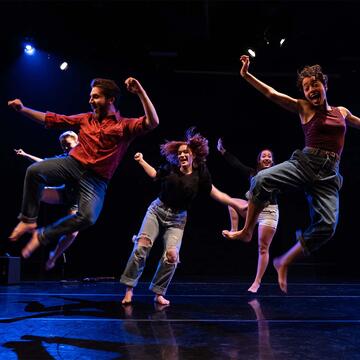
[196, 142]
[309, 71]
[108, 86]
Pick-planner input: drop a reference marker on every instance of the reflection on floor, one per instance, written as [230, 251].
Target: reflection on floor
[54, 320]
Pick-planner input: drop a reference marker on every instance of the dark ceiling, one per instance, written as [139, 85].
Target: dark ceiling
[195, 36]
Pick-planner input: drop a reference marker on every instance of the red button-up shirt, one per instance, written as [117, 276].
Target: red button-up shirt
[102, 145]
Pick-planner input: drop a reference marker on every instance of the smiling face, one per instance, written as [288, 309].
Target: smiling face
[314, 91]
[265, 159]
[185, 157]
[99, 103]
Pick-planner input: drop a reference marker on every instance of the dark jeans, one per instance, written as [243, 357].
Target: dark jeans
[57, 171]
[319, 177]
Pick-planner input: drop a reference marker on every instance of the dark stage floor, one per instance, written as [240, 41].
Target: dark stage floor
[54, 320]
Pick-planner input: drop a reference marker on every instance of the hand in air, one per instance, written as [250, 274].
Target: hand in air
[245, 65]
[133, 85]
[220, 146]
[20, 152]
[138, 157]
[16, 104]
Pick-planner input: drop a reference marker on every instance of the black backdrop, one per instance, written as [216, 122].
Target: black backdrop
[185, 54]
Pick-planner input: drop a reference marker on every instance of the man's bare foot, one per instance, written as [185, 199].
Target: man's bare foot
[31, 246]
[161, 300]
[237, 235]
[51, 261]
[128, 296]
[22, 228]
[254, 287]
[281, 269]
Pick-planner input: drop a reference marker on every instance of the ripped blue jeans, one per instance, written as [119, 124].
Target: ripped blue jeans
[171, 223]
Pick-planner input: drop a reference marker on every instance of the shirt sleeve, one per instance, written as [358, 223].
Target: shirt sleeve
[238, 165]
[57, 121]
[136, 126]
[162, 171]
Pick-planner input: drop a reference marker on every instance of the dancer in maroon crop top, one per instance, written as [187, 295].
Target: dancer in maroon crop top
[315, 169]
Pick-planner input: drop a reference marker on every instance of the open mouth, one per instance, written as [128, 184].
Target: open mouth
[315, 96]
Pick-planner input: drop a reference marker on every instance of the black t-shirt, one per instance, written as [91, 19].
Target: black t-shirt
[179, 190]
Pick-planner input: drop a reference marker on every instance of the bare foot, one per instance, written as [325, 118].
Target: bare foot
[159, 307]
[128, 296]
[237, 235]
[31, 246]
[161, 300]
[51, 261]
[254, 287]
[281, 269]
[22, 228]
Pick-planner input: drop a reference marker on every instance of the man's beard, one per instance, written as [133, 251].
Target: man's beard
[100, 112]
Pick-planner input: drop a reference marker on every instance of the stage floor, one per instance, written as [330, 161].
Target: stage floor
[85, 320]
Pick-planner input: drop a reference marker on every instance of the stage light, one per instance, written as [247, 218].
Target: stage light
[282, 41]
[29, 49]
[251, 52]
[64, 66]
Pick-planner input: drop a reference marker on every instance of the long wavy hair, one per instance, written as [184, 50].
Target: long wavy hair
[195, 141]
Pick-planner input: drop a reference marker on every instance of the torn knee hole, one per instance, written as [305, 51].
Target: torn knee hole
[143, 241]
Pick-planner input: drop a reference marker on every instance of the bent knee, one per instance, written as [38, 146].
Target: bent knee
[263, 249]
[85, 220]
[172, 256]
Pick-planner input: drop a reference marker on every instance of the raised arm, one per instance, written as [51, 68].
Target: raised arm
[281, 99]
[133, 85]
[21, 152]
[35, 115]
[146, 166]
[351, 119]
[233, 161]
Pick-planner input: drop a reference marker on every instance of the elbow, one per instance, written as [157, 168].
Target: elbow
[270, 94]
[152, 122]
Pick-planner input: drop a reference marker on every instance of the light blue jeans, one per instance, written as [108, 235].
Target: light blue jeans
[319, 177]
[171, 223]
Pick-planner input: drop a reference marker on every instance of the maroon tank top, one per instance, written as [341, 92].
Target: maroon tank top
[326, 130]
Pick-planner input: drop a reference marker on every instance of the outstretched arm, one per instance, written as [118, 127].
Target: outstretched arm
[21, 152]
[351, 119]
[146, 166]
[281, 99]
[225, 199]
[35, 115]
[133, 85]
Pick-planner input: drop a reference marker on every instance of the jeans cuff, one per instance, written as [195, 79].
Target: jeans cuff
[157, 289]
[26, 219]
[127, 281]
[300, 238]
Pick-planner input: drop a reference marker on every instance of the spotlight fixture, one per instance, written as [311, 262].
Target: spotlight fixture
[282, 41]
[29, 49]
[251, 52]
[64, 66]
